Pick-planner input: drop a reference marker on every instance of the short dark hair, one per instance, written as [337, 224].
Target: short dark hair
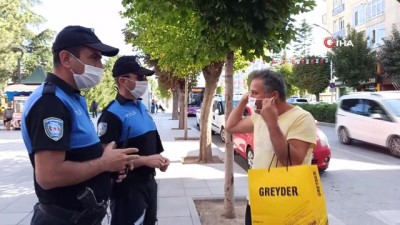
[272, 81]
[76, 51]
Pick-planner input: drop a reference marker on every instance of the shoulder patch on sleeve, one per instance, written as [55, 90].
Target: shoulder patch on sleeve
[54, 128]
[101, 129]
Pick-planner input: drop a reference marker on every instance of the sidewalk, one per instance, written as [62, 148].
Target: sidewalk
[178, 186]
[184, 182]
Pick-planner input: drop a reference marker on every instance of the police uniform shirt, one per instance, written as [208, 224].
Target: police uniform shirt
[130, 124]
[59, 121]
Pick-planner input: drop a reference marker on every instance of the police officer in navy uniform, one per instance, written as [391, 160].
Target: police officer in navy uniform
[126, 121]
[72, 170]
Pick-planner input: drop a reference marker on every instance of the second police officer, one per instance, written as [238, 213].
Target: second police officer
[127, 122]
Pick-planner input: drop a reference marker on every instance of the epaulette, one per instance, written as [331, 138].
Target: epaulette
[49, 88]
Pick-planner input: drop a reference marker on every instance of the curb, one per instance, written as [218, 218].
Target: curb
[326, 124]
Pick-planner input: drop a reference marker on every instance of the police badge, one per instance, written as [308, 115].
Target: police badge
[54, 128]
[101, 128]
[138, 61]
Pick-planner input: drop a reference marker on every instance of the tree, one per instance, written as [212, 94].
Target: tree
[303, 40]
[107, 86]
[251, 27]
[287, 72]
[15, 19]
[221, 27]
[389, 55]
[220, 90]
[39, 48]
[173, 40]
[164, 93]
[314, 76]
[353, 63]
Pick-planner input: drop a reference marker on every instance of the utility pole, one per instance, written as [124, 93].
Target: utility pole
[331, 82]
[21, 50]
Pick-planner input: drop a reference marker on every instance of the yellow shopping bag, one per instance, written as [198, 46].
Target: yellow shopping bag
[287, 196]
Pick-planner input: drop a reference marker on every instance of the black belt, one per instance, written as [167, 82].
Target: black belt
[73, 217]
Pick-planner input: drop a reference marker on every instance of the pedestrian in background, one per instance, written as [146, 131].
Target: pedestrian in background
[278, 126]
[8, 116]
[94, 107]
[127, 122]
[156, 106]
[153, 106]
[72, 170]
[160, 107]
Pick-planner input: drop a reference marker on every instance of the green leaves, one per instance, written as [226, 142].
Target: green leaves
[106, 91]
[185, 35]
[15, 19]
[389, 55]
[303, 40]
[353, 64]
[312, 77]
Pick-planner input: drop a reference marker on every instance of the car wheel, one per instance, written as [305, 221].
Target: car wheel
[250, 157]
[394, 146]
[344, 136]
[222, 134]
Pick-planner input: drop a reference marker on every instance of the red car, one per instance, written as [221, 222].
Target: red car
[243, 145]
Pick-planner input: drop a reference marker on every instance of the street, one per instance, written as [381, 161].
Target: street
[361, 185]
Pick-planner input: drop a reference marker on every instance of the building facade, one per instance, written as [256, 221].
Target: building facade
[373, 18]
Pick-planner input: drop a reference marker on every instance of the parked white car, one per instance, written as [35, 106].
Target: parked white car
[372, 117]
[218, 115]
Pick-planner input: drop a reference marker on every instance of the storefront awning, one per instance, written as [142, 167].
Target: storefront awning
[19, 90]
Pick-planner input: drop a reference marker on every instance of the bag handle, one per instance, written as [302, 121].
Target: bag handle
[288, 160]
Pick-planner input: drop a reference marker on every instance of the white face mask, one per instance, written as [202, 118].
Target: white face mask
[89, 78]
[140, 89]
[252, 103]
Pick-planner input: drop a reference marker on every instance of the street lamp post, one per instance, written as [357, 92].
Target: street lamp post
[331, 63]
[22, 51]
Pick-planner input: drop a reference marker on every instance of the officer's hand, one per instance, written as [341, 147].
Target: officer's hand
[165, 166]
[118, 159]
[121, 175]
[155, 161]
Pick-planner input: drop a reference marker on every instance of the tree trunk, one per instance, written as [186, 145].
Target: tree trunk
[229, 200]
[185, 106]
[181, 107]
[175, 102]
[211, 75]
[317, 96]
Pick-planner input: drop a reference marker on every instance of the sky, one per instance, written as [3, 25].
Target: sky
[103, 16]
[315, 17]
